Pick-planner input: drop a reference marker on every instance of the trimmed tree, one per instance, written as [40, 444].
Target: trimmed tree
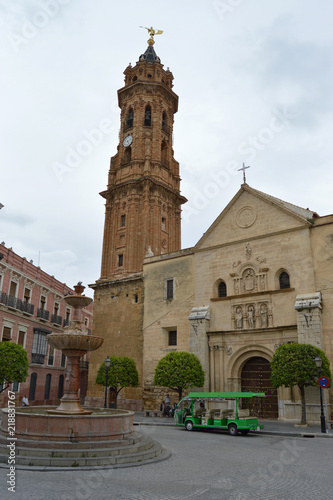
[14, 366]
[178, 371]
[122, 373]
[294, 364]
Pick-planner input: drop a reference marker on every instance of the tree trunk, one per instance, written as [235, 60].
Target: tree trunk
[303, 420]
[180, 392]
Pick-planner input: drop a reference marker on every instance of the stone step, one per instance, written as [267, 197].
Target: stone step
[20, 450]
[130, 458]
[111, 443]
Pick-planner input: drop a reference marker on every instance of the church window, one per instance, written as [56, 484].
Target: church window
[168, 289]
[120, 260]
[129, 119]
[134, 79]
[284, 280]
[123, 220]
[164, 153]
[222, 289]
[147, 121]
[165, 126]
[163, 223]
[128, 154]
[172, 337]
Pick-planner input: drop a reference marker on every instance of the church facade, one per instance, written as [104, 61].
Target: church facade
[260, 276]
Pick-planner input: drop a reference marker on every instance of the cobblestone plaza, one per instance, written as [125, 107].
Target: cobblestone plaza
[210, 466]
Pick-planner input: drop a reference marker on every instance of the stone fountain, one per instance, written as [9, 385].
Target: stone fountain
[69, 435]
[74, 343]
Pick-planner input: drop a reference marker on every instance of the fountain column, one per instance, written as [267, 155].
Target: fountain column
[74, 342]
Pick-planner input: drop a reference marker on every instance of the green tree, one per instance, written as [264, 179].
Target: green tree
[294, 364]
[122, 373]
[178, 371]
[14, 366]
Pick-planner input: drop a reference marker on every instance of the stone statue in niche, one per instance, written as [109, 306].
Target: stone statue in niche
[262, 282]
[239, 318]
[248, 250]
[251, 319]
[263, 316]
[249, 280]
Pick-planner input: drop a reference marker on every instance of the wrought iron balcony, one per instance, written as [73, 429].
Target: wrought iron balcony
[13, 302]
[66, 322]
[3, 298]
[27, 308]
[43, 314]
[37, 358]
[57, 320]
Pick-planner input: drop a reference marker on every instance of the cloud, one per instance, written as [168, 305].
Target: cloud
[17, 218]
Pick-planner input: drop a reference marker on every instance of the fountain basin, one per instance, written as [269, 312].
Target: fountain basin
[77, 342]
[37, 424]
[106, 438]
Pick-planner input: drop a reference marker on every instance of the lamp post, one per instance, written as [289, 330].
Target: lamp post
[107, 364]
[319, 363]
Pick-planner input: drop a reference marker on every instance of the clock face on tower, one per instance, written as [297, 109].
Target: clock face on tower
[127, 141]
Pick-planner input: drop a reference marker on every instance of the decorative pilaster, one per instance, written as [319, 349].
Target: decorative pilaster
[199, 326]
[309, 322]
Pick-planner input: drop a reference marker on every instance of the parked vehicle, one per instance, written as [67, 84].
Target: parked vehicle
[218, 410]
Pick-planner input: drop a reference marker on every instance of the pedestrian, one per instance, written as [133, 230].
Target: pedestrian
[25, 401]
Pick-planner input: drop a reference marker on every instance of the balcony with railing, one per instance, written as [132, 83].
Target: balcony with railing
[37, 358]
[56, 320]
[27, 308]
[15, 303]
[43, 314]
[3, 298]
[11, 302]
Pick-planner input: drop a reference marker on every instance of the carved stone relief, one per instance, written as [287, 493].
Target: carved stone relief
[248, 316]
[246, 216]
[250, 280]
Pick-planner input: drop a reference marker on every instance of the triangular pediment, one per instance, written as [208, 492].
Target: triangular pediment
[252, 213]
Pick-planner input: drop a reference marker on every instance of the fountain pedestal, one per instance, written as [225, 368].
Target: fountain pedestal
[70, 436]
[74, 343]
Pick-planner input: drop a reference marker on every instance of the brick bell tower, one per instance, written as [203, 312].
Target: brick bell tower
[143, 213]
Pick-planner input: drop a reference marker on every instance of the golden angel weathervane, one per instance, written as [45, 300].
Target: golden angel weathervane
[152, 33]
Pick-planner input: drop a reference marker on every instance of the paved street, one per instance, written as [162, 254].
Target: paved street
[203, 465]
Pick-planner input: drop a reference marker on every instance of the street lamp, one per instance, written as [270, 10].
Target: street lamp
[319, 363]
[107, 364]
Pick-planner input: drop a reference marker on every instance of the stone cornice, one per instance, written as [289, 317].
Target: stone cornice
[251, 295]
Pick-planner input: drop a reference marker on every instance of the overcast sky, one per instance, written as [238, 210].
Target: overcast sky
[254, 79]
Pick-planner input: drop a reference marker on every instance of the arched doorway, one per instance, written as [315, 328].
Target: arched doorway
[256, 377]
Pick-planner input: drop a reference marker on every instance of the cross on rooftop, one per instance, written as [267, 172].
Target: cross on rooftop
[243, 170]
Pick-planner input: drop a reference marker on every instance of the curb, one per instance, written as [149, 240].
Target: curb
[264, 432]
